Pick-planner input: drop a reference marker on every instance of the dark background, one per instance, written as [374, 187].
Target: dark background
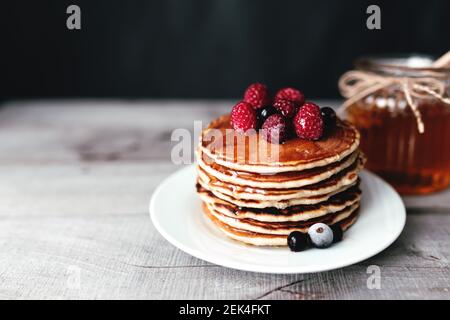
[202, 49]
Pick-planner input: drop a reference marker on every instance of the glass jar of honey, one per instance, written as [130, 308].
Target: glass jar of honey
[402, 110]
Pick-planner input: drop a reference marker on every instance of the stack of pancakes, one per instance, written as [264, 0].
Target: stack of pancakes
[260, 201]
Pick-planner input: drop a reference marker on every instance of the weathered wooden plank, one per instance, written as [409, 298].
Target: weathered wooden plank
[83, 189]
[49, 132]
[121, 256]
[434, 202]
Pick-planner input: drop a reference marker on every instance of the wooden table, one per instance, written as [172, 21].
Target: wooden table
[75, 181]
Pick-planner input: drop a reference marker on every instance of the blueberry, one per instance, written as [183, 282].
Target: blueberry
[321, 235]
[263, 113]
[328, 117]
[297, 241]
[337, 233]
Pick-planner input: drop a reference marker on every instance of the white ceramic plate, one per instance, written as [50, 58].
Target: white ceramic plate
[176, 213]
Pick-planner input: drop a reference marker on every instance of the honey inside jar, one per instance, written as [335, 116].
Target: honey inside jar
[413, 162]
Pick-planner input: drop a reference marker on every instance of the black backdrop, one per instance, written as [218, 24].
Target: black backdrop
[202, 49]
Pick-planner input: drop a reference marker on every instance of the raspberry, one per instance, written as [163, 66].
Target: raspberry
[274, 129]
[290, 94]
[243, 117]
[286, 107]
[308, 122]
[257, 95]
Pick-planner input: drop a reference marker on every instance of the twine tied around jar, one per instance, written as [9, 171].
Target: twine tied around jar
[356, 85]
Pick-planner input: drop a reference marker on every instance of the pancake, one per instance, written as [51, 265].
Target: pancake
[283, 180]
[293, 155]
[272, 203]
[294, 213]
[260, 200]
[344, 178]
[282, 228]
[263, 239]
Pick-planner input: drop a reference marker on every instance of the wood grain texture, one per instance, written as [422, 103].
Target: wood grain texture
[75, 181]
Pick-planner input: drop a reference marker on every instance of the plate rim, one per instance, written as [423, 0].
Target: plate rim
[199, 254]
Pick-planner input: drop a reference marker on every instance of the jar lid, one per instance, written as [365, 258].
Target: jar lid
[413, 65]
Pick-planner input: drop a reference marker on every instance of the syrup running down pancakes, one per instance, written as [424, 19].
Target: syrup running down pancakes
[261, 200]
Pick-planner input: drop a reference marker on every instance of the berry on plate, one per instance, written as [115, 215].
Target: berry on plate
[274, 129]
[257, 95]
[337, 233]
[243, 117]
[290, 94]
[287, 108]
[308, 122]
[321, 235]
[297, 241]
